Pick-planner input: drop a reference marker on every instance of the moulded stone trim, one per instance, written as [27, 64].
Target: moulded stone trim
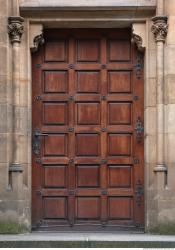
[27, 4]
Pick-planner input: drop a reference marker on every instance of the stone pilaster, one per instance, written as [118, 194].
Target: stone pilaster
[160, 29]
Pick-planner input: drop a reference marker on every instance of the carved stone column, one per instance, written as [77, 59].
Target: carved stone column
[15, 31]
[160, 29]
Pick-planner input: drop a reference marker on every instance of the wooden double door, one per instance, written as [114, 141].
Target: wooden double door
[87, 130]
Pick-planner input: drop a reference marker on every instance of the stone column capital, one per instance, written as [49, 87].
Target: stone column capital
[160, 28]
[15, 28]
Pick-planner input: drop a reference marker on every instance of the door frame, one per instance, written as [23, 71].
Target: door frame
[32, 40]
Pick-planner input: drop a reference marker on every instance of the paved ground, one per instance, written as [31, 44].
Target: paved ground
[85, 239]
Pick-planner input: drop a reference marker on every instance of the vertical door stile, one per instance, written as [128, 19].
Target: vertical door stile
[71, 131]
[138, 144]
[37, 169]
[103, 166]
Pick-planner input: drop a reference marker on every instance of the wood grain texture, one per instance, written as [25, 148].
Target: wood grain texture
[88, 173]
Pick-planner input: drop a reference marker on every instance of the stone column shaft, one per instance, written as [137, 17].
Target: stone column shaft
[15, 30]
[160, 105]
[160, 7]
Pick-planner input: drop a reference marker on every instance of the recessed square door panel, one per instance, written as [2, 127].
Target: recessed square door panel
[119, 81]
[55, 82]
[55, 145]
[87, 145]
[119, 113]
[88, 113]
[87, 81]
[119, 176]
[88, 208]
[88, 51]
[55, 208]
[55, 176]
[55, 113]
[88, 176]
[120, 208]
[56, 51]
[119, 144]
[119, 51]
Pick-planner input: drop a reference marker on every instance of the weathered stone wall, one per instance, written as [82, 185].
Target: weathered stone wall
[15, 187]
[14, 191]
[166, 205]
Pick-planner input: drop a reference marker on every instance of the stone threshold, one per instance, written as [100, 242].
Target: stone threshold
[84, 240]
[86, 236]
[87, 239]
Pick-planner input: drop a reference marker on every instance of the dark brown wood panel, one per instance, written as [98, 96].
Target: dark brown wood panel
[87, 130]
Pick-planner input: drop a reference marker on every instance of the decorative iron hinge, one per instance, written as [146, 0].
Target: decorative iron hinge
[139, 192]
[139, 129]
[139, 65]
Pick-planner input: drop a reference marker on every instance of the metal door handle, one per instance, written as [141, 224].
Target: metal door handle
[38, 133]
[36, 142]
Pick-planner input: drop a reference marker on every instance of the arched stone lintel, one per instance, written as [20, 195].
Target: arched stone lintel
[139, 35]
[36, 36]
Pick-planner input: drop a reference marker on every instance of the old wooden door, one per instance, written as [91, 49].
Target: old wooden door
[87, 130]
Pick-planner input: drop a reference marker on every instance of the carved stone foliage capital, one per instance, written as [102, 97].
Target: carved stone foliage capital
[160, 28]
[15, 28]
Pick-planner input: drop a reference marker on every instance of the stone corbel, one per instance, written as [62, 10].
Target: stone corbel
[139, 35]
[36, 36]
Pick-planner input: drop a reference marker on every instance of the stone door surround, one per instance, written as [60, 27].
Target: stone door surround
[27, 35]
